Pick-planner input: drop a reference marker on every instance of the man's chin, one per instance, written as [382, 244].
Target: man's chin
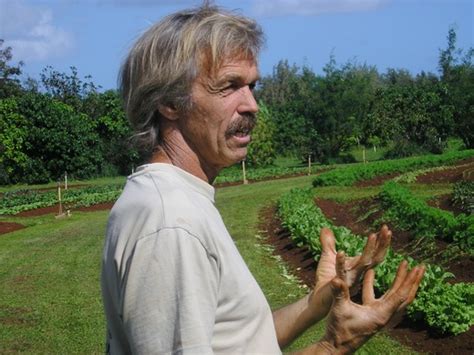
[239, 155]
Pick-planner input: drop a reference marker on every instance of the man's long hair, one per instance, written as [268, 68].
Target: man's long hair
[166, 60]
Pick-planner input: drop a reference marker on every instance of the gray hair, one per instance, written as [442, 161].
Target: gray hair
[165, 61]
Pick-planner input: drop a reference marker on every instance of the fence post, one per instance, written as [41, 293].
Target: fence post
[60, 213]
[244, 173]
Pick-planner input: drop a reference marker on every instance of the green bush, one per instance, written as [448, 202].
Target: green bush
[463, 196]
[261, 151]
[57, 140]
[13, 136]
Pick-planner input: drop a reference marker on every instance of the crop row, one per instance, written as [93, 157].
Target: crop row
[445, 307]
[348, 175]
[234, 173]
[24, 200]
[412, 213]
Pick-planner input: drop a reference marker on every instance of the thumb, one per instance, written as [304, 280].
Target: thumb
[340, 290]
[328, 242]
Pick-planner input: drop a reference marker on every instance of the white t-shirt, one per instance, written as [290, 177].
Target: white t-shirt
[173, 280]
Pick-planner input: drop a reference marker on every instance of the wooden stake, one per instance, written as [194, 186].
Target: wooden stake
[65, 180]
[244, 173]
[60, 213]
[309, 164]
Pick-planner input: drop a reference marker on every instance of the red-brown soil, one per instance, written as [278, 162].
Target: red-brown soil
[451, 175]
[7, 227]
[444, 202]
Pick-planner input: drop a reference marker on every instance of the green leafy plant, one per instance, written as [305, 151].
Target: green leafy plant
[463, 195]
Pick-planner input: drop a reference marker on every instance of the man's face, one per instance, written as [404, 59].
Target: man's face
[218, 126]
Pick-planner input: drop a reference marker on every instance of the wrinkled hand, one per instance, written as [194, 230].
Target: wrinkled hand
[350, 325]
[349, 269]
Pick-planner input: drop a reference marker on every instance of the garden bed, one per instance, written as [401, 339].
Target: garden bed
[303, 265]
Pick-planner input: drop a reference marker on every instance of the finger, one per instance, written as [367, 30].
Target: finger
[399, 298]
[340, 290]
[414, 286]
[368, 287]
[341, 266]
[400, 276]
[328, 242]
[369, 250]
[383, 242]
[384, 229]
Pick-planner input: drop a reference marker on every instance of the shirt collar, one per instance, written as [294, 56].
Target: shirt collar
[192, 181]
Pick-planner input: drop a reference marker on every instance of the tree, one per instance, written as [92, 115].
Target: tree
[13, 137]
[458, 76]
[58, 140]
[261, 151]
[67, 88]
[108, 117]
[9, 81]
[413, 116]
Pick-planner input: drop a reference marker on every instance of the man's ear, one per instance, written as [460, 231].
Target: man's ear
[168, 111]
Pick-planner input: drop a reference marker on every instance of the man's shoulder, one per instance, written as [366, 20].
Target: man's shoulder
[154, 201]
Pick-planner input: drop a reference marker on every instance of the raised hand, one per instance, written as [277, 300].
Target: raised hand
[350, 269]
[350, 325]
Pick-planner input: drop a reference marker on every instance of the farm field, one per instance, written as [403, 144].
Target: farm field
[441, 318]
[51, 302]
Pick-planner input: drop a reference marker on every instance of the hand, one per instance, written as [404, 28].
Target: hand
[350, 325]
[350, 269]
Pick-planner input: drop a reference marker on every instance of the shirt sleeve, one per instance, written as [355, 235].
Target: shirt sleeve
[170, 296]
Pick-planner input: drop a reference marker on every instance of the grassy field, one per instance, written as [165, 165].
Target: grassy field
[50, 300]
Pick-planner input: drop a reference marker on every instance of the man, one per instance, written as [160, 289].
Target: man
[173, 280]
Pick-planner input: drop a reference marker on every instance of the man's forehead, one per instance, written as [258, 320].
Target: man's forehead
[245, 68]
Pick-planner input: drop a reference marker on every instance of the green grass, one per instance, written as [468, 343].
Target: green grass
[50, 296]
[371, 154]
[92, 182]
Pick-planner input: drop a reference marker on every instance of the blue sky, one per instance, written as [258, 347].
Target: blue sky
[94, 35]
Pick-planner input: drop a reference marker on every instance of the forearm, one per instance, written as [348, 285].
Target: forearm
[292, 320]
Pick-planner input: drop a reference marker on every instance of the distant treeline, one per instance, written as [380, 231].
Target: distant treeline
[324, 115]
[64, 123]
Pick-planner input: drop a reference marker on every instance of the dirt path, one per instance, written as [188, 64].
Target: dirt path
[7, 227]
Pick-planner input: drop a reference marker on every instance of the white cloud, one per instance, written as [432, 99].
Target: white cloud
[147, 3]
[31, 32]
[313, 7]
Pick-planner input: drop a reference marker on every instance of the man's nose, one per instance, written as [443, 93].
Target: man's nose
[248, 104]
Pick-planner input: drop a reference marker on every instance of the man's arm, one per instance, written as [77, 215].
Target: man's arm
[294, 319]
[291, 321]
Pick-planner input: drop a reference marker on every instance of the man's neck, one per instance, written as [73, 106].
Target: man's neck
[169, 152]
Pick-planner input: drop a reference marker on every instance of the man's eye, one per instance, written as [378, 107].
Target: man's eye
[229, 87]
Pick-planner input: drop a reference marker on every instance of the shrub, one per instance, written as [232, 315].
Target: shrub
[463, 196]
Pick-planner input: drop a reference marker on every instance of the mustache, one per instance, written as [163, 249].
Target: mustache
[245, 123]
